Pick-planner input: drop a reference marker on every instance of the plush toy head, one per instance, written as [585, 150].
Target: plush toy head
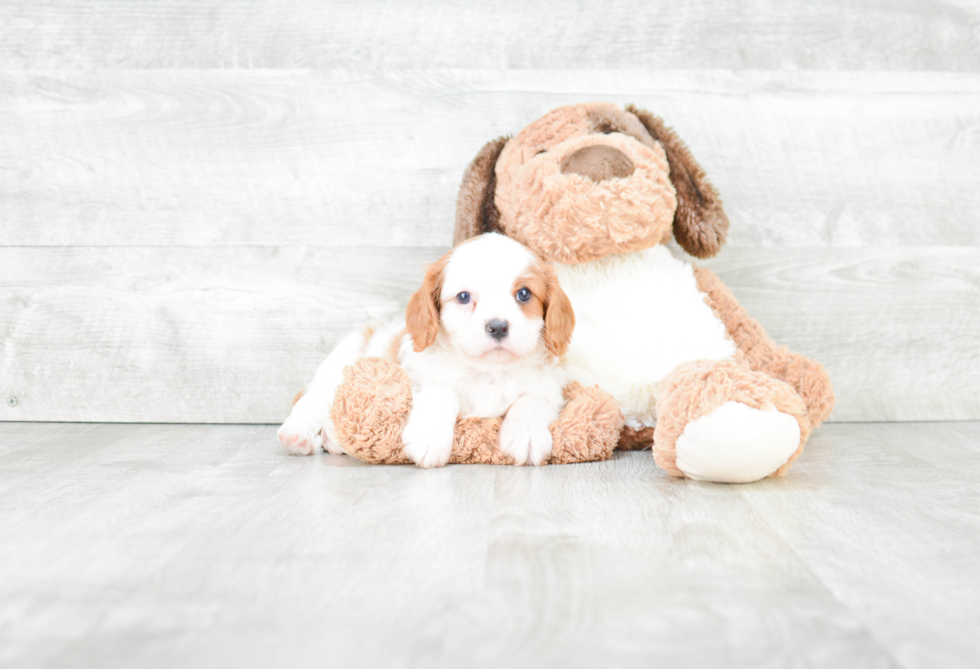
[588, 180]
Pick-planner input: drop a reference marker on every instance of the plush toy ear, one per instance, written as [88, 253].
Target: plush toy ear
[476, 212]
[422, 314]
[700, 224]
[559, 317]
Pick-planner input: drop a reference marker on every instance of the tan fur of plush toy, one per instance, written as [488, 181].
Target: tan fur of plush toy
[585, 182]
[640, 187]
[373, 402]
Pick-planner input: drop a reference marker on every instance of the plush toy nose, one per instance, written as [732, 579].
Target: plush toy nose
[497, 328]
[598, 162]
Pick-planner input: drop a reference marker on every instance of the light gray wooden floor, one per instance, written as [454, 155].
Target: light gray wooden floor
[187, 545]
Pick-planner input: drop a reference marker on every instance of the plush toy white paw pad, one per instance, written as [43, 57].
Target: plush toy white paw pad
[737, 444]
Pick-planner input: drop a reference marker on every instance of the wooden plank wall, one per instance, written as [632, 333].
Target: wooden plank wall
[197, 199]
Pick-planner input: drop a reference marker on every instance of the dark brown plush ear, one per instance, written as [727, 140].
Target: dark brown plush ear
[700, 224]
[476, 212]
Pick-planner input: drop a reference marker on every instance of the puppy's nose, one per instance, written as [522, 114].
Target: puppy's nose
[598, 162]
[497, 328]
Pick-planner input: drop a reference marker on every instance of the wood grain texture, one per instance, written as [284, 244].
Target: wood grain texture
[159, 546]
[792, 35]
[898, 329]
[229, 335]
[348, 158]
[186, 335]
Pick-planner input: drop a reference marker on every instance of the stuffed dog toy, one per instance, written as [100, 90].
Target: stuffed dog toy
[597, 191]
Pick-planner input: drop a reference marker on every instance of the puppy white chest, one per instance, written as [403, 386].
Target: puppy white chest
[484, 397]
[485, 390]
[638, 316]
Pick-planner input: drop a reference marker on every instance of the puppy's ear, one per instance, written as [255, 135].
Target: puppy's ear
[476, 212]
[422, 314]
[700, 224]
[559, 317]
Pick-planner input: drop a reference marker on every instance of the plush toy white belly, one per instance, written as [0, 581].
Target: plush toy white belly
[637, 316]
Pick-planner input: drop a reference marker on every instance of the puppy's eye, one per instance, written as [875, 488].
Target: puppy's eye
[523, 295]
[541, 151]
[463, 297]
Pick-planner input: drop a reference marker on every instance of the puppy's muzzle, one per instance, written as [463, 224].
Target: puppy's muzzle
[497, 328]
[598, 162]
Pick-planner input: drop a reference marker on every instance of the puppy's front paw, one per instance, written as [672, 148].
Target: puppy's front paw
[526, 440]
[299, 438]
[330, 446]
[428, 443]
[428, 436]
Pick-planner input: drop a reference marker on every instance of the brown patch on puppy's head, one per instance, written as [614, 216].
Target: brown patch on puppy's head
[422, 314]
[534, 280]
[548, 301]
[298, 396]
[559, 317]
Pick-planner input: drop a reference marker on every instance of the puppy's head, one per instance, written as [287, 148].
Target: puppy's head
[492, 299]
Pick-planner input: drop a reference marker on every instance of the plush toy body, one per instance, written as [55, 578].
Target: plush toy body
[627, 351]
[631, 355]
[598, 191]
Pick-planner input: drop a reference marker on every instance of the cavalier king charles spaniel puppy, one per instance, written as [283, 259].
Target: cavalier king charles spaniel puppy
[482, 337]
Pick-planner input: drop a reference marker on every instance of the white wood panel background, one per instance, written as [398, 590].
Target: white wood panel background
[198, 199]
[229, 334]
[194, 158]
[509, 34]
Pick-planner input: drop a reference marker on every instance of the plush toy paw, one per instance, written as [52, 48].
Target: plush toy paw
[736, 444]
[300, 436]
[720, 421]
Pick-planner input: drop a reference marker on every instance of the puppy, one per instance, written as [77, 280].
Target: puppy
[482, 337]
